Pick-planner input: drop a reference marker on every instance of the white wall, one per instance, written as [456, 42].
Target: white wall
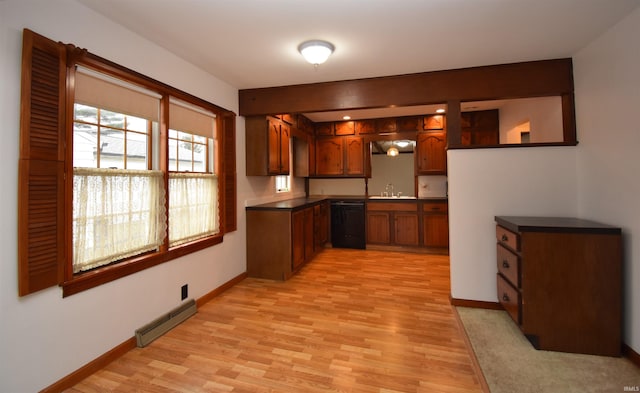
[484, 183]
[598, 179]
[44, 337]
[543, 113]
[607, 87]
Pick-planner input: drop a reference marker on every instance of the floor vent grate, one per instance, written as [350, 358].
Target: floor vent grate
[156, 328]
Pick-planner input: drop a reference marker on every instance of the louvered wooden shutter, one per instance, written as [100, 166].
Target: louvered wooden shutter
[41, 196]
[230, 183]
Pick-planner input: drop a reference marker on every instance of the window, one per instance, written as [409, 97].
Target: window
[193, 183]
[282, 183]
[140, 184]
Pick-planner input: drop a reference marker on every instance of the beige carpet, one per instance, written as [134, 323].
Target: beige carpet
[510, 364]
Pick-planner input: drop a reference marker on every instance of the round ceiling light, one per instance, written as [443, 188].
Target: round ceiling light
[316, 51]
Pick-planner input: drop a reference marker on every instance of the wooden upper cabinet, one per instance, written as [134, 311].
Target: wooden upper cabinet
[288, 118]
[354, 157]
[344, 128]
[431, 157]
[342, 156]
[433, 122]
[363, 127]
[480, 128]
[283, 153]
[273, 147]
[324, 129]
[387, 124]
[267, 146]
[409, 123]
[329, 156]
[304, 125]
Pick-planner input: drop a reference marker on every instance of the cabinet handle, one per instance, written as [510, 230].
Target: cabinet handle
[504, 238]
[505, 298]
[505, 264]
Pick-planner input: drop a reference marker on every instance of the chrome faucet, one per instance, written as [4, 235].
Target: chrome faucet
[387, 188]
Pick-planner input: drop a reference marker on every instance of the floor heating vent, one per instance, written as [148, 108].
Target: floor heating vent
[156, 328]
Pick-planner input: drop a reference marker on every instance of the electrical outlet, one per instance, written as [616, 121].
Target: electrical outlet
[184, 292]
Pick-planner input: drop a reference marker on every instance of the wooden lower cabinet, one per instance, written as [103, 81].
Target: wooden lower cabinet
[281, 239]
[393, 223]
[435, 224]
[378, 227]
[406, 232]
[321, 225]
[560, 280]
[408, 223]
[302, 234]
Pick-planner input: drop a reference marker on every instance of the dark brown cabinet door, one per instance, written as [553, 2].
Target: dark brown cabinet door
[321, 225]
[355, 156]
[365, 127]
[431, 155]
[325, 129]
[433, 122]
[298, 238]
[480, 127]
[329, 157]
[344, 128]
[436, 230]
[309, 240]
[378, 228]
[408, 123]
[285, 132]
[387, 124]
[406, 229]
[267, 146]
[274, 147]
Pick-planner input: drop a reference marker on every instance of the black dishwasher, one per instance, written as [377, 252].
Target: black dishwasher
[347, 224]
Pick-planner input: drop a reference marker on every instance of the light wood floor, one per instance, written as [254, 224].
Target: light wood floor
[350, 321]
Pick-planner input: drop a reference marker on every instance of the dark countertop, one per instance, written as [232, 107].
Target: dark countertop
[297, 203]
[554, 224]
[288, 204]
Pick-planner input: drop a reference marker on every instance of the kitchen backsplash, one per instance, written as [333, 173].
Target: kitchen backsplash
[432, 186]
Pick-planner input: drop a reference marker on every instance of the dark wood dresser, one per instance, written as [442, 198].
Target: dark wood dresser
[560, 280]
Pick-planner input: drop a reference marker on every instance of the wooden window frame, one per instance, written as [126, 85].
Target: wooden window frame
[46, 168]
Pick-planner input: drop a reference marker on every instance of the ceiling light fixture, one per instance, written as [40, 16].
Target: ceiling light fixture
[393, 151]
[346, 117]
[440, 110]
[316, 51]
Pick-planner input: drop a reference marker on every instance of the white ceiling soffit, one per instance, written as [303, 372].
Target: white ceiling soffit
[253, 43]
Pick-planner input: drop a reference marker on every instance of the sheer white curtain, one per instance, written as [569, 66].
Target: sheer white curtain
[116, 214]
[193, 206]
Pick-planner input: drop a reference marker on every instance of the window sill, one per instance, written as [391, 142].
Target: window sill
[83, 281]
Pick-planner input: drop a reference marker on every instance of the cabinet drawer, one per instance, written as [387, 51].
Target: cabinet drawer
[509, 266]
[508, 238]
[435, 207]
[392, 206]
[510, 299]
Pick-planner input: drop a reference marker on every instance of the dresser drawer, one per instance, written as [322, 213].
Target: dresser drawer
[508, 238]
[510, 299]
[509, 265]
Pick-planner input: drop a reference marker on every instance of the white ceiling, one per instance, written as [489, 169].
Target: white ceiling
[253, 43]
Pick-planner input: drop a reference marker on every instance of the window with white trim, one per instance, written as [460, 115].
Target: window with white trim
[282, 183]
